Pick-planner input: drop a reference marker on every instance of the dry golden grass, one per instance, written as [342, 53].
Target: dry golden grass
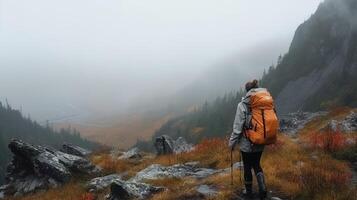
[71, 191]
[293, 170]
[290, 170]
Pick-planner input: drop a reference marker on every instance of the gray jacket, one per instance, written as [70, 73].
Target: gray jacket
[242, 118]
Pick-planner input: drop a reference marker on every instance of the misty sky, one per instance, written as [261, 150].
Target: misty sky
[99, 55]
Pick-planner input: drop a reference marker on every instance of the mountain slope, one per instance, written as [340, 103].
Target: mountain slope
[319, 71]
[321, 66]
[14, 125]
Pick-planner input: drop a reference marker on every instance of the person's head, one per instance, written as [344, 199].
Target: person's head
[250, 85]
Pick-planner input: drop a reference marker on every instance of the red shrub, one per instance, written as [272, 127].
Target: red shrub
[328, 141]
[88, 196]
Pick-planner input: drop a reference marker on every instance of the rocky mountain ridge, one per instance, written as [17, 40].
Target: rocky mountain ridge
[321, 66]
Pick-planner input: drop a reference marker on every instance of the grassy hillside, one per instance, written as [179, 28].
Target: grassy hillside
[295, 168]
[14, 125]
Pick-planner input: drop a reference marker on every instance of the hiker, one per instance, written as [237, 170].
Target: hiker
[255, 126]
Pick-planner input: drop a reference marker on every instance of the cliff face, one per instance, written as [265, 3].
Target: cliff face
[320, 68]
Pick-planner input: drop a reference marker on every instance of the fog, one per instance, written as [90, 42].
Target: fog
[86, 57]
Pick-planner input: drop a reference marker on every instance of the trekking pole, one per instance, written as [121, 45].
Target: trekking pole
[232, 168]
[241, 170]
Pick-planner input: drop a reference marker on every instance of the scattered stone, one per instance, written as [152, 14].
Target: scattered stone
[293, 122]
[75, 150]
[347, 125]
[35, 167]
[207, 191]
[166, 145]
[124, 190]
[101, 183]
[133, 153]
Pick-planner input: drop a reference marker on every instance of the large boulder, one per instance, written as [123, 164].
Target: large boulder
[190, 169]
[166, 145]
[75, 150]
[35, 167]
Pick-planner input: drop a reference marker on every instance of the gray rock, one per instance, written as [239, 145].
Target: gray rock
[207, 191]
[101, 183]
[76, 163]
[190, 169]
[166, 145]
[347, 125]
[36, 168]
[181, 146]
[275, 198]
[133, 153]
[123, 190]
[75, 150]
[291, 123]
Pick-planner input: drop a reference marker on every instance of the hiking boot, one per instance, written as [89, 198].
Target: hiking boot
[262, 186]
[247, 192]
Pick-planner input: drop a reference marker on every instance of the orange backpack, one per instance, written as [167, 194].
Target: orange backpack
[263, 126]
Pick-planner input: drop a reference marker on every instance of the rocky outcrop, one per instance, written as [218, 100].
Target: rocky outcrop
[166, 145]
[190, 169]
[320, 69]
[75, 150]
[347, 125]
[38, 168]
[133, 153]
[291, 123]
[124, 190]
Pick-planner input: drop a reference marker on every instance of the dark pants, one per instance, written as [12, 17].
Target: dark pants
[251, 160]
